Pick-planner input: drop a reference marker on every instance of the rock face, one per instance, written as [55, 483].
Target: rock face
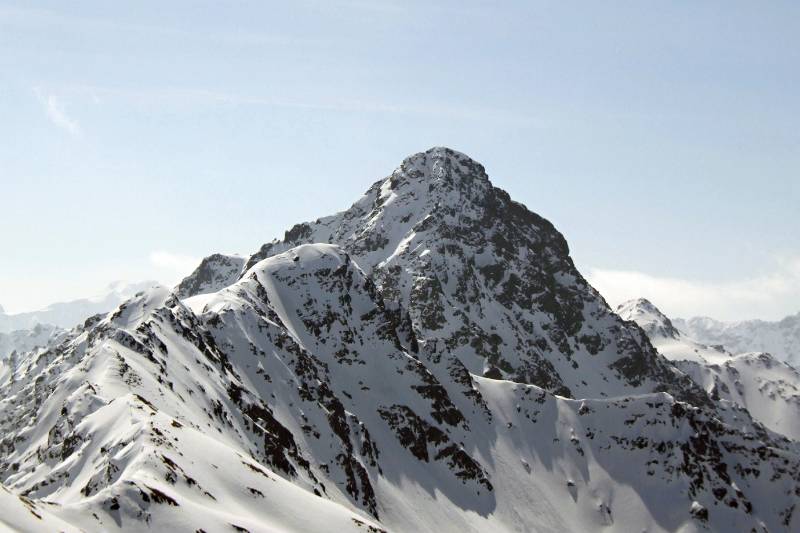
[406, 369]
[781, 338]
[215, 272]
[769, 389]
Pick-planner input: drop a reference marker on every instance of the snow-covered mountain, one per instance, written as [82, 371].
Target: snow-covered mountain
[781, 338]
[769, 389]
[27, 339]
[428, 360]
[68, 314]
[488, 285]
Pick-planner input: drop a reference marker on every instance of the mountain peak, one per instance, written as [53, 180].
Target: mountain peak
[641, 305]
[435, 235]
[649, 317]
[440, 154]
[212, 274]
[442, 165]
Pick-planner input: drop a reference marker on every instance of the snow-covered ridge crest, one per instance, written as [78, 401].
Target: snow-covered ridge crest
[134, 381]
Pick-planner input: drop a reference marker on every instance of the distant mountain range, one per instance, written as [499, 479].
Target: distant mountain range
[429, 359]
[69, 314]
[22, 332]
[781, 338]
[25, 340]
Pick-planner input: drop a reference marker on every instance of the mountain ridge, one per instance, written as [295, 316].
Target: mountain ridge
[402, 365]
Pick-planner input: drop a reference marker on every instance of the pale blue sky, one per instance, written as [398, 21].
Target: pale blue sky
[661, 138]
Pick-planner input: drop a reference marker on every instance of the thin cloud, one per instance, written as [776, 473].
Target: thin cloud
[56, 114]
[182, 97]
[46, 18]
[770, 296]
[175, 265]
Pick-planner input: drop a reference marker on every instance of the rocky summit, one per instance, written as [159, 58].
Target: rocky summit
[429, 359]
[489, 286]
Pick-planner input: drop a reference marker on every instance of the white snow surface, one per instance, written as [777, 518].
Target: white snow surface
[18, 513]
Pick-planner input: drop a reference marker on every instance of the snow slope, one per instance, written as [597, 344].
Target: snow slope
[769, 389]
[18, 513]
[161, 415]
[112, 459]
[402, 378]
